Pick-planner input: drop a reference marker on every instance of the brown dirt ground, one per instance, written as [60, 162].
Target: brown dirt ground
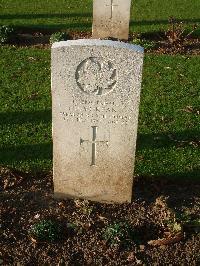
[189, 46]
[25, 200]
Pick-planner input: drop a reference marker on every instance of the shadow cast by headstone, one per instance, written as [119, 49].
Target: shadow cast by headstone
[159, 140]
[28, 151]
[149, 188]
[161, 22]
[66, 23]
[50, 28]
[45, 15]
[12, 118]
[25, 152]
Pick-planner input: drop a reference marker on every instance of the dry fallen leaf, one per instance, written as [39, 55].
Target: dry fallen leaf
[190, 109]
[102, 218]
[33, 240]
[161, 201]
[167, 241]
[11, 179]
[37, 216]
[142, 247]
[131, 257]
[31, 58]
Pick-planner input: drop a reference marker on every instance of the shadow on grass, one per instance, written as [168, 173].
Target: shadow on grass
[10, 118]
[53, 27]
[89, 15]
[41, 151]
[34, 158]
[43, 15]
[161, 22]
[87, 26]
[179, 139]
[25, 152]
[188, 139]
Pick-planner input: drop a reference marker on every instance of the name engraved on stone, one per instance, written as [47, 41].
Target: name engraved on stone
[111, 5]
[96, 76]
[94, 142]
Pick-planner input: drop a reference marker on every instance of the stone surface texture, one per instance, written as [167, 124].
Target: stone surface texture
[95, 97]
[111, 18]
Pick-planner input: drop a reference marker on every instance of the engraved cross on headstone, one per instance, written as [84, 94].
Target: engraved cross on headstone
[94, 143]
[111, 5]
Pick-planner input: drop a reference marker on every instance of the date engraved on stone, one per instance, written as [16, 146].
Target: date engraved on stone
[96, 76]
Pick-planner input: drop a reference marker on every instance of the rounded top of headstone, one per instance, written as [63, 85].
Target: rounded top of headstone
[97, 42]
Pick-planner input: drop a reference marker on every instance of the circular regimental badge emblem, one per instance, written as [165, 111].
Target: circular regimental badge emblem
[96, 76]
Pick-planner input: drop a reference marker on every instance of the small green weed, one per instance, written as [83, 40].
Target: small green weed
[75, 228]
[84, 206]
[6, 34]
[188, 221]
[46, 230]
[58, 37]
[144, 43]
[174, 226]
[119, 234]
[182, 222]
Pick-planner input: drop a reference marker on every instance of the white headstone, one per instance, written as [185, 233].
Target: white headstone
[95, 94]
[111, 18]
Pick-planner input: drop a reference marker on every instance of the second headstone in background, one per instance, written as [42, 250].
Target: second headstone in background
[111, 18]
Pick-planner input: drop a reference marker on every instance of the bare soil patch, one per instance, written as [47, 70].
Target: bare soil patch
[162, 45]
[25, 200]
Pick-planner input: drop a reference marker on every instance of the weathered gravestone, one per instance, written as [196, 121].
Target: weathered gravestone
[111, 18]
[95, 94]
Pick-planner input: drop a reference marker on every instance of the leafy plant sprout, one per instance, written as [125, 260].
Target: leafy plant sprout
[119, 233]
[144, 43]
[58, 37]
[6, 33]
[46, 230]
[181, 221]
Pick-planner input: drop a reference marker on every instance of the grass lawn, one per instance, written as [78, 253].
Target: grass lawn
[151, 15]
[168, 143]
[25, 118]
